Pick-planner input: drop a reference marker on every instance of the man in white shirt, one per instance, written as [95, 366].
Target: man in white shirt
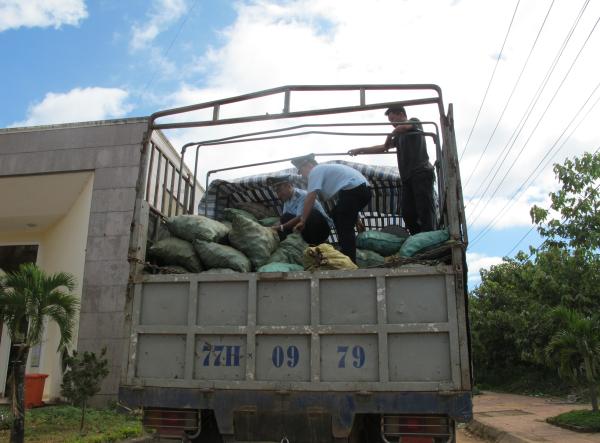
[317, 226]
[353, 192]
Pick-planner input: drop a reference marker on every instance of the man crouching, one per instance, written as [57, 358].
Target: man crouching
[317, 226]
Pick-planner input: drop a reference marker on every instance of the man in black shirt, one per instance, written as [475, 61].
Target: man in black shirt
[416, 172]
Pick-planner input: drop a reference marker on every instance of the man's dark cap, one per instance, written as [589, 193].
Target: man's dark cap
[298, 162]
[395, 109]
[276, 181]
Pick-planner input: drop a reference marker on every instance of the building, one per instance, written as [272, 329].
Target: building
[67, 195]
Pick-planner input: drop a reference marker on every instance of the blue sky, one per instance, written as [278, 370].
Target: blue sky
[78, 60]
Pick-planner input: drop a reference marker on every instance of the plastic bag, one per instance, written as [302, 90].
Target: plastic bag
[215, 255]
[196, 227]
[175, 252]
[423, 240]
[254, 240]
[325, 256]
[381, 242]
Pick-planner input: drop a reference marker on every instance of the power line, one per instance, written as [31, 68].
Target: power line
[535, 98]
[491, 79]
[512, 199]
[510, 96]
[182, 23]
[519, 242]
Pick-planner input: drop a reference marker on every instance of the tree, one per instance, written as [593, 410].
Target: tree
[576, 350]
[577, 204]
[511, 311]
[27, 297]
[83, 377]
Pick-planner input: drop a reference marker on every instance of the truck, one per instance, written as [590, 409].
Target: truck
[367, 355]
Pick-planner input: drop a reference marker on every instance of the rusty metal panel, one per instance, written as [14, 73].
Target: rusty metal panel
[164, 304]
[220, 357]
[222, 303]
[420, 299]
[283, 357]
[161, 356]
[283, 302]
[349, 357]
[419, 357]
[348, 301]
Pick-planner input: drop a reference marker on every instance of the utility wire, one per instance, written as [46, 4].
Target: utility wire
[535, 98]
[510, 96]
[527, 181]
[491, 79]
[519, 242]
[557, 90]
[182, 23]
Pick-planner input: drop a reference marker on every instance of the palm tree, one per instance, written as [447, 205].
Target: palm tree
[27, 296]
[576, 350]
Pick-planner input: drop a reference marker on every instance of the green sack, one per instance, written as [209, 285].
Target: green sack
[219, 271]
[258, 210]
[269, 221]
[254, 240]
[368, 259]
[215, 255]
[196, 227]
[381, 242]
[280, 267]
[423, 240]
[230, 212]
[174, 251]
[290, 250]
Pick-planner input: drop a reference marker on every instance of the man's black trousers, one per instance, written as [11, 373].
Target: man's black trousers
[345, 215]
[417, 202]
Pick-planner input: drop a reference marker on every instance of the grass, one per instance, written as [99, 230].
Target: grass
[581, 420]
[60, 423]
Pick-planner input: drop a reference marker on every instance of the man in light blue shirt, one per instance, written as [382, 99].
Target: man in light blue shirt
[353, 192]
[318, 223]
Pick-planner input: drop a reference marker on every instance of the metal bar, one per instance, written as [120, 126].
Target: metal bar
[362, 97]
[156, 185]
[193, 198]
[164, 185]
[286, 102]
[150, 164]
[174, 171]
[289, 128]
[305, 88]
[326, 111]
[216, 110]
[183, 149]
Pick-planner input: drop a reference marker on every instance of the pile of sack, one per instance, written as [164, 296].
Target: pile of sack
[374, 248]
[245, 243]
[241, 243]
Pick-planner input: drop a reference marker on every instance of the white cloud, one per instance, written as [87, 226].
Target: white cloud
[163, 13]
[454, 44]
[79, 104]
[476, 262]
[15, 14]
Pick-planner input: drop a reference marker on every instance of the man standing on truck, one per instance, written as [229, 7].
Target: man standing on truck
[353, 192]
[317, 226]
[416, 172]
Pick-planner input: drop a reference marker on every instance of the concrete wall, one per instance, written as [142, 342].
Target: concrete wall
[63, 248]
[111, 150]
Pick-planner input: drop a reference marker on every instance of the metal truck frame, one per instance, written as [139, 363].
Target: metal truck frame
[366, 355]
